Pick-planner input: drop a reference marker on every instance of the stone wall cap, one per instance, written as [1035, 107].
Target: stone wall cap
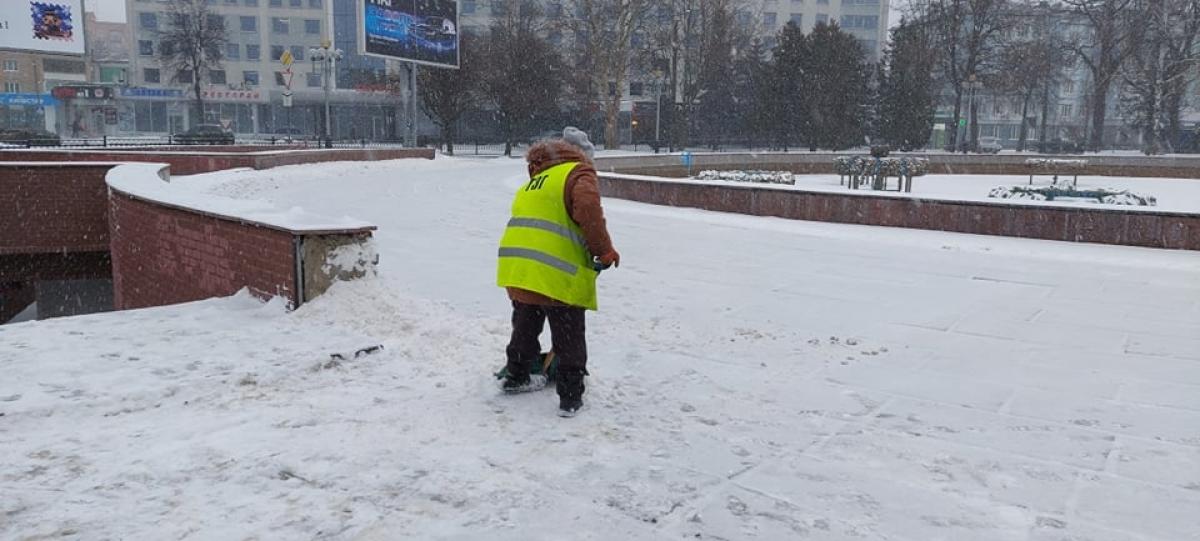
[151, 182]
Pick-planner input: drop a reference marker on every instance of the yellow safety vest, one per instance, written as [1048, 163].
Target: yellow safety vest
[543, 249]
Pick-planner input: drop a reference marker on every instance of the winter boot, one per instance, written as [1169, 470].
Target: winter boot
[570, 392]
[517, 379]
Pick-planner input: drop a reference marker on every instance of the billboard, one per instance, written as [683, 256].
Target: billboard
[421, 31]
[50, 26]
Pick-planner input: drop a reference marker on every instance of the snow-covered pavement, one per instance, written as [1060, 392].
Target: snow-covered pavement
[753, 378]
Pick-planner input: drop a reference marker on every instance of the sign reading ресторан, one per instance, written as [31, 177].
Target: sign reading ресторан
[216, 94]
[49, 26]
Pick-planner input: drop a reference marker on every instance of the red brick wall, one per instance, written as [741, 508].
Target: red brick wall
[53, 208]
[1104, 226]
[162, 255]
[207, 159]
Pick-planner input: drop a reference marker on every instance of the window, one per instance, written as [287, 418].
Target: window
[250, 78]
[148, 21]
[12, 88]
[868, 22]
[315, 4]
[184, 76]
[234, 2]
[251, 3]
[277, 51]
[276, 3]
[145, 47]
[216, 77]
[151, 75]
[636, 89]
[297, 3]
[165, 49]
[249, 24]
[769, 19]
[233, 51]
[797, 18]
[313, 79]
[554, 37]
[298, 53]
[822, 18]
[1069, 87]
[998, 108]
[1066, 110]
[279, 79]
[10, 65]
[253, 52]
[312, 26]
[280, 25]
[554, 10]
[823, 2]
[499, 7]
[468, 6]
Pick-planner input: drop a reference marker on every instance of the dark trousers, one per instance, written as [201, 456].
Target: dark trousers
[567, 336]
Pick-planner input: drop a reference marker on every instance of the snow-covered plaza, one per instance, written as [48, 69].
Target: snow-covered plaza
[752, 378]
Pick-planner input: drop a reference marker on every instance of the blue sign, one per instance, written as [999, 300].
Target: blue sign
[151, 93]
[687, 158]
[42, 100]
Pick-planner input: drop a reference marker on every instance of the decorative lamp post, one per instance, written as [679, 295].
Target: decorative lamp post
[328, 58]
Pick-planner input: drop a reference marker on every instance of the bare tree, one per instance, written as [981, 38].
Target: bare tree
[1033, 63]
[1157, 75]
[522, 73]
[967, 38]
[603, 31]
[1115, 32]
[447, 94]
[193, 43]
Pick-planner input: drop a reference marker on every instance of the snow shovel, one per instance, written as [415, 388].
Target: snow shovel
[547, 367]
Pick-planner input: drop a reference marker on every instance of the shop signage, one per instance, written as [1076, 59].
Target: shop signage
[42, 100]
[232, 95]
[135, 92]
[83, 92]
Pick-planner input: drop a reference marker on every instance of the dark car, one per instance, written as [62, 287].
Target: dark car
[1061, 146]
[205, 134]
[29, 137]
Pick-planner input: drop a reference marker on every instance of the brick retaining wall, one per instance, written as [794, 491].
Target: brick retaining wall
[1105, 226]
[53, 208]
[208, 159]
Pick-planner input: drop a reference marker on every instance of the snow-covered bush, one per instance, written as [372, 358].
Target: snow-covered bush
[1050, 193]
[891, 167]
[768, 177]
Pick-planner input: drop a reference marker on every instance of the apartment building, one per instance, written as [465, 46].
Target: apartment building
[246, 94]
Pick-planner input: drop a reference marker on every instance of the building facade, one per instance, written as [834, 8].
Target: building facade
[866, 20]
[247, 93]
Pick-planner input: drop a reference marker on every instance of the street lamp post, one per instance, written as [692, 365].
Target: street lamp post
[328, 58]
[658, 88]
[972, 85]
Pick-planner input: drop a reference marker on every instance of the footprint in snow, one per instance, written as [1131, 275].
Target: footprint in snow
[10, 398]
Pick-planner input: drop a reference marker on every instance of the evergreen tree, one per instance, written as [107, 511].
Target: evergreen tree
[835, 83]
[784, 94]
[906, 89]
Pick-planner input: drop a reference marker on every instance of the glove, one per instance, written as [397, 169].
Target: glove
[611, 259]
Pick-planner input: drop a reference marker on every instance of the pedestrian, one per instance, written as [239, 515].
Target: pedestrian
[554, 247]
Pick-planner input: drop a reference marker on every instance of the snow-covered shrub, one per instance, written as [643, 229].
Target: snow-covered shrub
[1050, 193]
[768, 177]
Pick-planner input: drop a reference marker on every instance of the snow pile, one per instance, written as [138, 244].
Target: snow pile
[1051, 193]
[356, 259]
[765, 177]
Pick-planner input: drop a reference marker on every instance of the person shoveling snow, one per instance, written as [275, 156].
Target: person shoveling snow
[547, 267]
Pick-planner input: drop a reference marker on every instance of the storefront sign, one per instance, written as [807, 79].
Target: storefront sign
[135, 92]
[232, 95]
[83, 92]
[43, 100]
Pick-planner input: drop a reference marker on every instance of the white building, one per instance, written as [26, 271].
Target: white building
[867, 20]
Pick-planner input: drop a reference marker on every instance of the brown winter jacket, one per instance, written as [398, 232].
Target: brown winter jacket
[582, 197]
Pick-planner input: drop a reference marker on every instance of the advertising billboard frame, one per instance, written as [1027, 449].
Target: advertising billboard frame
[361, 7]
[23, 18]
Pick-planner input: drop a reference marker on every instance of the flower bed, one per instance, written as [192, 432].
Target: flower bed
[1050, 193]
[767, 177]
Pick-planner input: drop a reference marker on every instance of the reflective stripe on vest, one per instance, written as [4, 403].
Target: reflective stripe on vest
[543, 250]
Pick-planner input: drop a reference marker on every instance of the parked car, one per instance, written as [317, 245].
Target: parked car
[1059, 145]
[30, 136]
[989, 145]
[205, 134]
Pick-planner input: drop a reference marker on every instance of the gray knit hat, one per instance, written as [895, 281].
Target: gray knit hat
[579, 138]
